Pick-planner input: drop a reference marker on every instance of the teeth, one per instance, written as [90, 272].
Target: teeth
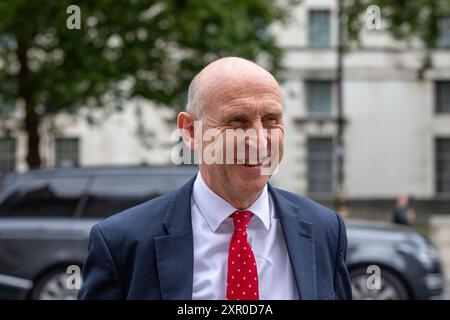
[251, 162]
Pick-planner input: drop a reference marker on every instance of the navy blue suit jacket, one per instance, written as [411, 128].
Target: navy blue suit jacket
[146, 252]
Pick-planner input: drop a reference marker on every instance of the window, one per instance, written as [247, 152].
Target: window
[111, 194]
[443, 97]
[319, 97]
[444, 30]
[7, 156]
[47, 197]
[320, 165]
[443, 166]
[67, 152]
[319, 28]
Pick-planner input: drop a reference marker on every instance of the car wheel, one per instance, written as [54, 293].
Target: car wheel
[53, 286]
[391, 287]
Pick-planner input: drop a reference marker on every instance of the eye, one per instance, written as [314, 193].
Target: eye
[237, 121]
[271, 120]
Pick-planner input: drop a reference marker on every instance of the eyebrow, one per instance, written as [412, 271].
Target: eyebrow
[274, 112]
[226, 116]
[235, 113]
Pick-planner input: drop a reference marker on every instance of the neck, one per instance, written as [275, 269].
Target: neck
[239, 200]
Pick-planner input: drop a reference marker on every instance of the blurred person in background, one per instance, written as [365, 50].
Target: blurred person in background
[403, 213]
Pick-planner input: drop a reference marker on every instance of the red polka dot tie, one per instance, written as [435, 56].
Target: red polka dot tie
[242, 276]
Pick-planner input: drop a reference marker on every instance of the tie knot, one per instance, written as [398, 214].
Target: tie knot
[241, 218]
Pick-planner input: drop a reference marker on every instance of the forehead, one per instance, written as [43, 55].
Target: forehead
[243, 95]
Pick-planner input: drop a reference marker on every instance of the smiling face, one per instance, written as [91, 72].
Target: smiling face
[244, 98]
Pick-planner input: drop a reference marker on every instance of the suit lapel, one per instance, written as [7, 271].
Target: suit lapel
[175, 252]
[298, 233]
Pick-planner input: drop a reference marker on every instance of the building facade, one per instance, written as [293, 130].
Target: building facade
[397, 126]
[396, 130]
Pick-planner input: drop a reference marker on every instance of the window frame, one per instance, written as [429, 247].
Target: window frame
[331, 178]
[313, 29]
[438, 159]
[440, 107]
[56, 153]
[8, 157]
[310, 111]
[444, 30]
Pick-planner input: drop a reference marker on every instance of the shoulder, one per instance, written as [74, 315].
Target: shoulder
[129, 225]
[311, 211]
[142, 223]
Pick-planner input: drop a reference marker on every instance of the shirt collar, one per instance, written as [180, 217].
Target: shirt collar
[215, 209]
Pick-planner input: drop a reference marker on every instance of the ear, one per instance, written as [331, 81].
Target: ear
[185, 122]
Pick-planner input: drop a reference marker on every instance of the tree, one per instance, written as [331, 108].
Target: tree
[123, 49]
[404, 20]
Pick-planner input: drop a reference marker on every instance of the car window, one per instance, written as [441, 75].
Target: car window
[111, 194]
[43, 197]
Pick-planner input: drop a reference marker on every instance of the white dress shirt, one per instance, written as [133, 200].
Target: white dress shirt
[212, 229]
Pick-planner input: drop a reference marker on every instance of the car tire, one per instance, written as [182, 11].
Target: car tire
[391, 286]
[52, 286]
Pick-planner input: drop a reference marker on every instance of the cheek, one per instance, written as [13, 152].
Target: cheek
[281, 143]
[276, 141]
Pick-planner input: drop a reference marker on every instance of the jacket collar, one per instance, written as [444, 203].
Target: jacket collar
[175, 252]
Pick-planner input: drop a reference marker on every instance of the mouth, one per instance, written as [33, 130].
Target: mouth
[253, 163]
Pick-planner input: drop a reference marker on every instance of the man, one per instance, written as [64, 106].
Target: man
[403, 213]
[227, 234]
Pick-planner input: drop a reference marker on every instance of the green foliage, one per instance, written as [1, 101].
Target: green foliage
[404, 19]
[124, 48]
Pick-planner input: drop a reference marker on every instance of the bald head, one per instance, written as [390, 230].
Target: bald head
[216, 77]
[240, 109]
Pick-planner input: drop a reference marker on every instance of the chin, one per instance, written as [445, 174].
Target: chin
[252, 185]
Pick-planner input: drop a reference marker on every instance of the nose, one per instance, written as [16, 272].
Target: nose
[260, 143]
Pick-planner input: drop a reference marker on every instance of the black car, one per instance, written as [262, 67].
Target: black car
[409, 265]
[46, 216]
